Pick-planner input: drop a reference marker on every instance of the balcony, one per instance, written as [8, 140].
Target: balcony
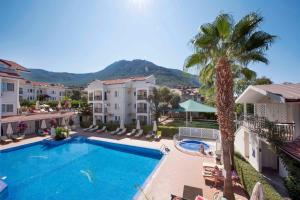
[262, 125]
[98, 110]
[141, 110]
[97, 98]
[141, 97]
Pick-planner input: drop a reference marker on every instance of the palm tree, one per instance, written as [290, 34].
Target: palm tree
[222, 48]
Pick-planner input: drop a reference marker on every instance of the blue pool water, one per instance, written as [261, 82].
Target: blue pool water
[193, 145]
[80, 169]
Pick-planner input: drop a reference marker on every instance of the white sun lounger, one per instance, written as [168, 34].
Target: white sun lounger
[122, 132]
[131, 133]
[101, 130]
[139, 133]
[5, 139]
[90, 127]
[94, 129]
[18, 137]
[116, 131]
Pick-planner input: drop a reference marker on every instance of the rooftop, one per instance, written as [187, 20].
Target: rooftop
[124, 80]
[293, 148]
[44, 84]
[12, 64]
[275, 92]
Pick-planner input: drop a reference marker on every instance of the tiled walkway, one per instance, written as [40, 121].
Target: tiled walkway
[176, 170]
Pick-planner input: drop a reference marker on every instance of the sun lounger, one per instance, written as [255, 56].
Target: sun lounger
[157, 137]
[131, 133]
[94, 129]
[139, 133]
[90, 127]
[103, 129]
[5, 139]
[150, 135]
[115, 131]
[122, 132]
[18, 137]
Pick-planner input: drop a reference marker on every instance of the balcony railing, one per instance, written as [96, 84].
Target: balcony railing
[261, 124]
[98, 110]
[141, 110]
[141, 97]
[98, 98]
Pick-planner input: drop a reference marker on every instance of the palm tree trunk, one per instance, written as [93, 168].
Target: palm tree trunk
[225, 107]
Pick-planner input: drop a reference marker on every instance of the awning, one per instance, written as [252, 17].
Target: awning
[35, 117]
[193, 106]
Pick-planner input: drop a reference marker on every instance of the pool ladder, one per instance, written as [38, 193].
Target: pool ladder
[164, 149]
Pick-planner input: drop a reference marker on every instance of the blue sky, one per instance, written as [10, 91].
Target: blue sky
[85, 36]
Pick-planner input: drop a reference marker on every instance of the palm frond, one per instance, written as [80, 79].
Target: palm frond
[253, 56]
[207, 74]
[223, 24]
[246, 26]
[259, 40]
[194, 59]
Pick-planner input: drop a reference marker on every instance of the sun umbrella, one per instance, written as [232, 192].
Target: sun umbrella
[154, 126]
[59, 105]
[9, 130]
[63, 121]
[138, 125]
[122, 124]
[257, 192]
[43, 125]
[37, 105]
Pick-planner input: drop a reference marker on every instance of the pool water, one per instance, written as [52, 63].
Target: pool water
[193, 145]
[80, 169]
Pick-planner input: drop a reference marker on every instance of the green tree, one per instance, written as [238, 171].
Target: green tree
[222, 48]
[175, 100]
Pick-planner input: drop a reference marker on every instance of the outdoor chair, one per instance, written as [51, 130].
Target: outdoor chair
[5, 139]
[122, 132]
[90, 127]
[129, 134]
[18, 137]
[103, 129]
[115, 131]
[94, 129]
[151, 134]
[139, 133]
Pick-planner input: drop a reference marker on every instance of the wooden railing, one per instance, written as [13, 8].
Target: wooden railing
[261, 124]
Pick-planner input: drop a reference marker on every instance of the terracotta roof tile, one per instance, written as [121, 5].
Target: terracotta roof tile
[37, 116]
[10, 75]
[13, 64]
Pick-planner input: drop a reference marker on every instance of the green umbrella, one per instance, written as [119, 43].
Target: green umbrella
[193, 106]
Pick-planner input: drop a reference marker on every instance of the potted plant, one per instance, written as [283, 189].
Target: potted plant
[22, 126]
[61, 133]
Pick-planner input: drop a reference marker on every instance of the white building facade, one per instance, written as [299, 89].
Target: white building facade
[31, 90]
[9, 83]
[121, 99]
[276, 103]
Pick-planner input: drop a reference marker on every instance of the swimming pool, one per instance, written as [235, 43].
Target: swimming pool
[192, 145]
[80, 169]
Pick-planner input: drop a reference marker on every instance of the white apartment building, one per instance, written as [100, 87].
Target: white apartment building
[121, 99]
[9, 83]
[31, 90]
[278, 103]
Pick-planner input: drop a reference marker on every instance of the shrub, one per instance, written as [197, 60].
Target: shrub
[249, 177]
[168, 131]
[61, 133]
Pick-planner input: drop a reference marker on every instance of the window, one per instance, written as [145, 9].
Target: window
[116, 94]
[20, 90]
[7, 108]
[134, 94]
[117, 118]
[117, 106]
[10, 87]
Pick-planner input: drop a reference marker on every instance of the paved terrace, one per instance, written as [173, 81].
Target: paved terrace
[177, 169]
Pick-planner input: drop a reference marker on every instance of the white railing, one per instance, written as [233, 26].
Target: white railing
[203, 133]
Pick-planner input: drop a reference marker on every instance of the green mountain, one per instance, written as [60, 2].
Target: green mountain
[119, 69]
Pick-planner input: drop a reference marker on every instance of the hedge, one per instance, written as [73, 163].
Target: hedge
[168, 131]
[249, 177]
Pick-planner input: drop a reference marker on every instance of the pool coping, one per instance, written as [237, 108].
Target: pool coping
[87, 139]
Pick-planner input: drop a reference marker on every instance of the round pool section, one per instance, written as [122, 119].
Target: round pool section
[193, 145]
